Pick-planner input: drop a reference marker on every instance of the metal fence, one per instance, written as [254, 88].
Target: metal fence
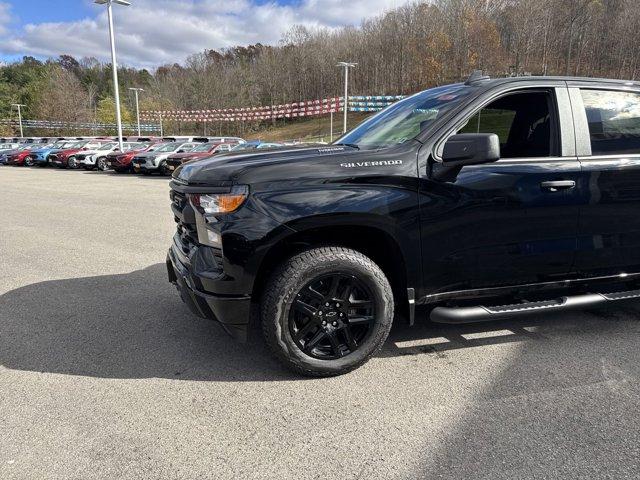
[54, 125]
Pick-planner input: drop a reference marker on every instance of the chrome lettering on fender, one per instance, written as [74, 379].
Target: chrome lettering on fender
[381, 163]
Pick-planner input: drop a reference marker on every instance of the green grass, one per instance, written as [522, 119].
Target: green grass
[312, 129]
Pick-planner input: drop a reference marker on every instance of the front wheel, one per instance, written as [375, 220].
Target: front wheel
[101, 164]
[327, 311]
[164, 169]
[29, 161]
[72, 162]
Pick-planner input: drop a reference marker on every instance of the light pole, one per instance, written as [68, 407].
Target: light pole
[331, 127]
[116, 90]
[137, 90]
[346, 66]
[19, 106]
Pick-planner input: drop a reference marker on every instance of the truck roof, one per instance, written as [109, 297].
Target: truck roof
[477, 79]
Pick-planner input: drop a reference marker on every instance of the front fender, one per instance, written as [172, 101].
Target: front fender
[391, 208]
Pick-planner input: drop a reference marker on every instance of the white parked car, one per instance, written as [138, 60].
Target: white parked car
[156, 161]
[97, 159]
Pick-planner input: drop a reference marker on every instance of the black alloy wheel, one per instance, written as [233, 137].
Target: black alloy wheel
[332, 316]
[326, 311]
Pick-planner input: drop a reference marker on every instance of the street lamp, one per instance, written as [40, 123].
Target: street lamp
[116, 91]
[136, 91]
[346, 66]
[19, 106]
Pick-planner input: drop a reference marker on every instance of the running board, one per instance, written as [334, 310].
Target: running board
[454, 315]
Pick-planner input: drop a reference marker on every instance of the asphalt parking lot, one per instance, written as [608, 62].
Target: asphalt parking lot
[104, 373]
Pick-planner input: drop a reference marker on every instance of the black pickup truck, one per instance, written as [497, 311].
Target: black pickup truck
[463, 203]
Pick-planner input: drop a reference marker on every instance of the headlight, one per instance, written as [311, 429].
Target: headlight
[217, 203]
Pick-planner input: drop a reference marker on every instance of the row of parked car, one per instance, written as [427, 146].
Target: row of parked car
[144, 155]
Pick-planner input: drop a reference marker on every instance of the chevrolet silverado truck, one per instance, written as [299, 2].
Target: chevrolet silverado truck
[471, 202]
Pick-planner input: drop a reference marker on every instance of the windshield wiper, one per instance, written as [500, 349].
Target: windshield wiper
[352, 145]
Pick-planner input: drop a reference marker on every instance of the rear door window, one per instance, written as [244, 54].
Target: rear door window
[614, 121]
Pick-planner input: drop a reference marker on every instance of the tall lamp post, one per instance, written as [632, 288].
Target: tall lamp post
[346, 66]
[19, 106]
[137, 91]
[116, 90]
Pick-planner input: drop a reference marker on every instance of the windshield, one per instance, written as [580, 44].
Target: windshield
[245, 146]
[405, 119]
[166, 147]
[205, 147]
[108, 146]
[67, 145]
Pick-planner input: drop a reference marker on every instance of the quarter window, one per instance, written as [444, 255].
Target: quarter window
[614, 121]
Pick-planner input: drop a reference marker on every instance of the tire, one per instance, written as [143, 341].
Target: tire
[163, 169]
[29, 162]
[101, 164]
[293, 301]
[72, 163]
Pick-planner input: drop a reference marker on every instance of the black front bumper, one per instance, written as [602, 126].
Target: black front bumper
[232, 312]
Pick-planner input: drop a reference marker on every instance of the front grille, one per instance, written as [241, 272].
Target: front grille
[187, 232]
[186, 238]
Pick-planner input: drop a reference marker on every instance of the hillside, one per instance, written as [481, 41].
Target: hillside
[313, 129]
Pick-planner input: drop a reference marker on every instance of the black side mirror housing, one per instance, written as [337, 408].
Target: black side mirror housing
[471, 149]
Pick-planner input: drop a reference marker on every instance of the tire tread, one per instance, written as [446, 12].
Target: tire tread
[288, 270]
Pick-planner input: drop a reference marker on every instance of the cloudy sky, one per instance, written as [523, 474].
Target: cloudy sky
[154, 32]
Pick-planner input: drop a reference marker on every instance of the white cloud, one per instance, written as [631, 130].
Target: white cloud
[5, 18]
[154, 32]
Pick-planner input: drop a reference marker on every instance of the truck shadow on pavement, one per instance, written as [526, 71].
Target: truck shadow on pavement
[122, 326]
[135, 326]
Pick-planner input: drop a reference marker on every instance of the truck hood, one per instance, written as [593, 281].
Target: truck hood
[296, 164]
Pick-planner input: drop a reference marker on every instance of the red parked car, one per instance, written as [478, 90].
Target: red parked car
[18, 157]
[201, 151]
[121, 162]
[67, 158]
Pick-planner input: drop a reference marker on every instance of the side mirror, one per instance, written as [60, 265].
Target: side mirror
[471, 149]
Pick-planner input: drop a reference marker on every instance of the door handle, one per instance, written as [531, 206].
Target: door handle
[557, 185]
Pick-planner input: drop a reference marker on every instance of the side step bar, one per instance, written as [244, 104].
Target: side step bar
[455, 315]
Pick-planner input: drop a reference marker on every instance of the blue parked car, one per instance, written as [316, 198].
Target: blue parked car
[40, 156]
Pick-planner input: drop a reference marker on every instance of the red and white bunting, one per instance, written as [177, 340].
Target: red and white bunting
[289, 110]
